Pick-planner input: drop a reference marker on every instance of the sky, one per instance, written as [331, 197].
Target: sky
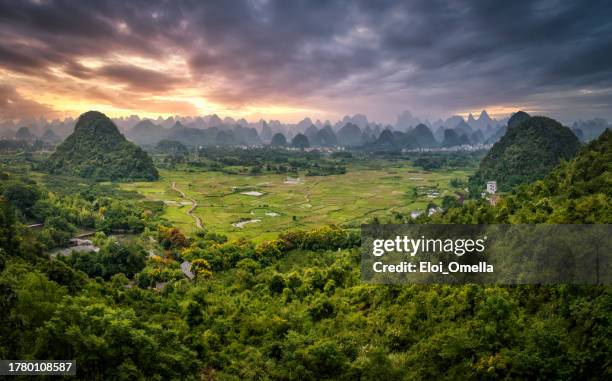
[289, 59]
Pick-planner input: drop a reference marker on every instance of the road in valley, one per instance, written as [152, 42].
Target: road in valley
[194, 204]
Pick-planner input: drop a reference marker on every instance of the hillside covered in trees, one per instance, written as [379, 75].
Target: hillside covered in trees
[528, 151]
[576, 191]
[294, 307]
[97, 150]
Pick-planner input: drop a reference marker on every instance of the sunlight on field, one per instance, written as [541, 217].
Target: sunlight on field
[282, 204]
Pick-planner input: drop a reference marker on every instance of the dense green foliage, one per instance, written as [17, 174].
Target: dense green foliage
[97, 150]
[73, 205]
[578, 191]
[272, 159]
[171, 147]
[113, 258]
[8, 244]
[278, 159]
[527, 152]
[14, 146]
[294, 308]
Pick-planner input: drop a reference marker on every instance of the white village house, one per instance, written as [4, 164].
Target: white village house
[492, 187]
[492, 191]
[415, 214]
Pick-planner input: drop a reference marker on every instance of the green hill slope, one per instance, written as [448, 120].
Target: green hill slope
[527, 152]
[578, 191]
[97, 150]
[518, 118]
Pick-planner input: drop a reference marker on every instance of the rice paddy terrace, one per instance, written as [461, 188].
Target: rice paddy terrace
[260, 206]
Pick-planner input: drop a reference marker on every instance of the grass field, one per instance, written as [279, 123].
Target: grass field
[349, 199]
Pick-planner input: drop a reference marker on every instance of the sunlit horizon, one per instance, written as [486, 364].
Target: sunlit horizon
[267, 60]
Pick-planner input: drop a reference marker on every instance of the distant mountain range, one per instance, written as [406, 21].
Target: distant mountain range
[350, 131]
[588, 130]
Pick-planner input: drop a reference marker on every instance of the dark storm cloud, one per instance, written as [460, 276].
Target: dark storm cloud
[139, 79]
[12, 58]
[430, 54]
[60, 32]
[14, 106]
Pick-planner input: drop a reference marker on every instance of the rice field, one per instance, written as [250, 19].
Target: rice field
[260, 206]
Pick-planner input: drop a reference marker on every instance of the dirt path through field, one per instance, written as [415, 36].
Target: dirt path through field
[194, 205]
[309, 191]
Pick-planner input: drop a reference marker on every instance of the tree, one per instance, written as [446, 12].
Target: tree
[8, 237]
[113, 258]
[172, 238]
[22, 196]
[193, 314]
[325, 359]
[277, 283]
[113, 343]
[201, 269]
[61, 273]
[57, 232]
